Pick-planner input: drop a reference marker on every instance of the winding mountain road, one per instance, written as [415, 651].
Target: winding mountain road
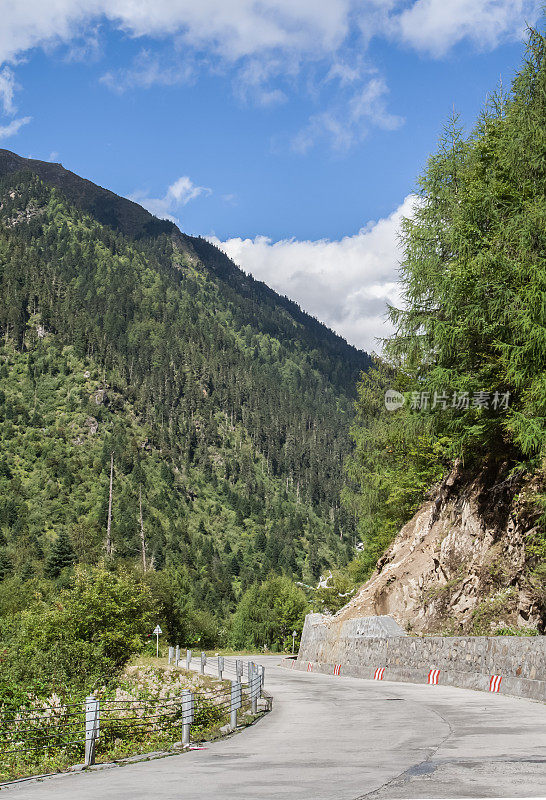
[335, 738]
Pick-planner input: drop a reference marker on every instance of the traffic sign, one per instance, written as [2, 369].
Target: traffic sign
[157, 631]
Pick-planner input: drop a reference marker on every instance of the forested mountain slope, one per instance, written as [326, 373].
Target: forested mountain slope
[223, 408]
[469, 360]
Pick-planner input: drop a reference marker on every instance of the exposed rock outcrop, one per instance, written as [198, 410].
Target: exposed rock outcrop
[461, 564]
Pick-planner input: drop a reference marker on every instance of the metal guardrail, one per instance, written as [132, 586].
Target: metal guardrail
[79, 727]
[36, 728]
[236, 667]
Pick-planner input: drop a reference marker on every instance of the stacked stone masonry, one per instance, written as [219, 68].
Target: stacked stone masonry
[363, 645]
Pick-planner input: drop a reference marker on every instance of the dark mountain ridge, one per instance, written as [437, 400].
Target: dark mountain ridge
[134, 221]
[106, 207]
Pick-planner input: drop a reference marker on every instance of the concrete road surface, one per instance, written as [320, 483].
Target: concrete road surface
[335, 738]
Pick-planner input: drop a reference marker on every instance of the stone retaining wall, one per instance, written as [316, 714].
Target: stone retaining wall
[465, 661]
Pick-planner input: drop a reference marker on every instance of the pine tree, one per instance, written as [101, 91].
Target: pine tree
[471, 330]
[6, 565]
[62, 555]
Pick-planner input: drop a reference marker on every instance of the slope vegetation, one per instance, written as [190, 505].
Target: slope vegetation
[219, 409]
[469, 362]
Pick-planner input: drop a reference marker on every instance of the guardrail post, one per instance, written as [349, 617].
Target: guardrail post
[188, 659]
[236, 702]
[92, 717]
[188, 713]
[249, 670]
[177, 655]
[262, 677]
[220, 666]
[203, 662]
[254, 691]
[171, 655]
[238, 669]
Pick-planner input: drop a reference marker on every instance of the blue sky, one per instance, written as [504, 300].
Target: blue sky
[290, 132]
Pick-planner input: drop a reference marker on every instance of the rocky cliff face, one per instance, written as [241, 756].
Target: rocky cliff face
[463, 563]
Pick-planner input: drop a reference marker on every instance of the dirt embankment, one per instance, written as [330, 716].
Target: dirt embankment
[464, 562]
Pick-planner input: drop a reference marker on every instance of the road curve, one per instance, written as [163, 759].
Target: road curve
[335, 738]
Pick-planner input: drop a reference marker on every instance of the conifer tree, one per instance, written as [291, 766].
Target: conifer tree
[62, 555]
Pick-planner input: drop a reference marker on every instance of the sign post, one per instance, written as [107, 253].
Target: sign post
[157, 631]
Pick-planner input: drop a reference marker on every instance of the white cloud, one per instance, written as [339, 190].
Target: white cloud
[232, 29]
[350, 120]
[345, 283]
[7, 90]
[270, 48]
[13, 127]
[148, 70]
[179, 193]
[241, 28]
[252, 81]
[435, 26]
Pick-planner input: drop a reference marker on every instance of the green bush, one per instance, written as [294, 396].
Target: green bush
[181, 622]
[80, 639]
[267, 614]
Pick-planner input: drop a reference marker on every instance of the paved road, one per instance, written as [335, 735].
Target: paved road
[342, 739]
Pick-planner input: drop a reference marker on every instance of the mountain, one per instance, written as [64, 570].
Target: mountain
[137, 357]
[106, 207]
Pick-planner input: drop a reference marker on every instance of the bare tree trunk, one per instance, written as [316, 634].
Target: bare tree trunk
[142, 538]
[109, 524]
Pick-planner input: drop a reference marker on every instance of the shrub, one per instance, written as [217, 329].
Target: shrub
[268, 613]
[81, 638]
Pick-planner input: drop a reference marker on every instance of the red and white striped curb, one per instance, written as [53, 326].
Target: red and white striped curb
[337, 669]
[494, 683]
[433, 676]
[309, 667]
[378, 674]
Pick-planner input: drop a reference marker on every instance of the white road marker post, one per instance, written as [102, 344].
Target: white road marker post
[236, 702]
[203, 662]
[91, 728]
[177, 655]
[238, 669]
[294, 634]
[157, 632]
[188, 713]
[220, 666]
[171, 655]
[188, 659]
[253, 694]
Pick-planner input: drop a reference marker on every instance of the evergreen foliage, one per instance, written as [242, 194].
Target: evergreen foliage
[78, 639]
[267, 615]
[216, 410]
[62, 555]
[472, 322]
